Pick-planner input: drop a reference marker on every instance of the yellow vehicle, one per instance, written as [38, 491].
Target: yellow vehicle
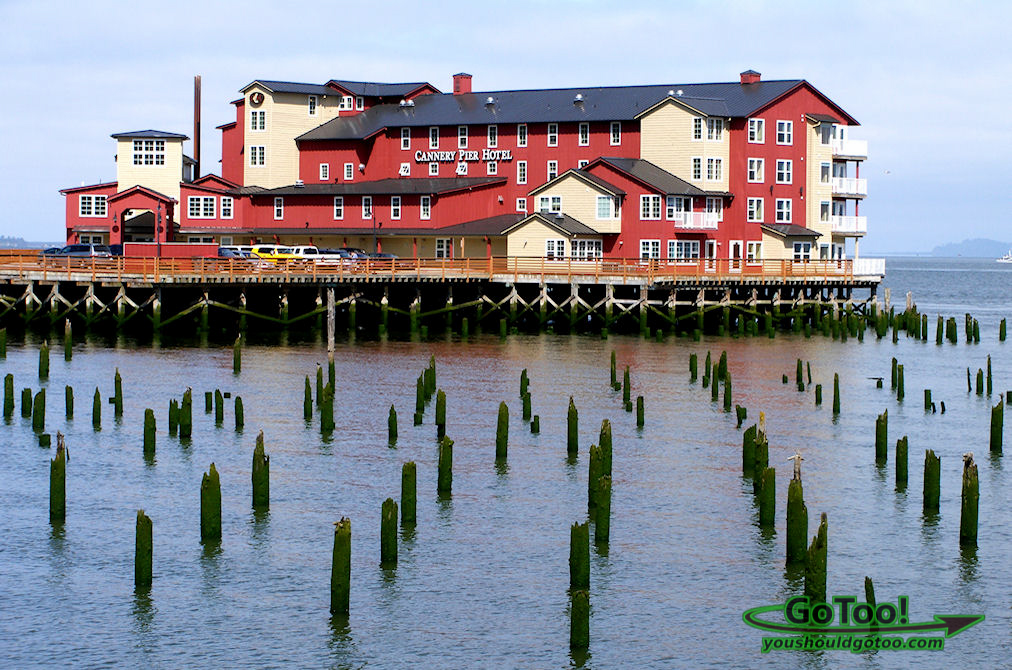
[275, 253]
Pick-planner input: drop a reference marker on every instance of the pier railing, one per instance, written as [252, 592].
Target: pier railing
[20, 266]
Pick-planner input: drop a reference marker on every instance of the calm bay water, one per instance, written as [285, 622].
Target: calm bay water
[482, 579]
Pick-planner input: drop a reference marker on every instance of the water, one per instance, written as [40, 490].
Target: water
[482, 579]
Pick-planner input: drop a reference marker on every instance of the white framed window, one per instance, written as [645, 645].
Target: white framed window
[615, 133]
[257, 155]
[553, 169]
[258, 120]
[697, 168]
[714, 130]
[349, 171]
[405, 139]
[492, 168]
[553, 134]
[312, 105]
[650, 249]
[584, 134]
[757, 131]
[825, 133]
[338, 207]
[521, 134]
[395, 207]
[714, 169]
[192, 239]
[824, 211]
[347, 102]
[461, 169]
[493, 136]
[783, 210]
[425, 207]
[697, 128]
[551, 203]
[521, 172]
[676, 206]
[461, 137]
[683, 250]
[201, 206]
[586, 249]
[607, 207]
[650, 207]
[359, 103]
[756, 170]
[149, 152]
[366, 206]
[753, 252]
[582, 163]
[785, 169]
[755, 210]
[226, 240]
[324, 171]
[824, 173]
[522, 205]
[433, 137]
[715, 206]
[555, 248]
[433, 169]
[802, 251]
[404, 170]
[92, 205]
[444, 247]
[226, 207]
[785, 132]
[279, 209]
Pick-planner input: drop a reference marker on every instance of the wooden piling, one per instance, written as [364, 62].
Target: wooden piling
[980, 381]
[693, 368]
[26, 403]
[595, 468]
[797, 523]
[526, 399]
[869, 591]
[932, 480]
[58, 483]
[96, 411]
[836, 394]
[186, 414]
[331, 371]
[319, 385]
[444, 480]
[989, 385]
[895, 374]
[502, 431]
[614, 374]
[997, 426]
[572, 428]
[68, 341]
[1001, 331]
[767, 498]
[44, 360]
[881, 437]
[149, 432]
[969, 502]
[440, 413]
[741, 413]
[392, 426]
[938, 330]
[340, 570]
[748, 451]
[237, 356]
[210, 506]
[927, 400]
[117, 404]
[219, 407]
[68, 402]
[626, 387]
[602, 513]
[535, 424]
[901, 463]
[714, 387]
[307, 401]
[3, 343]
[8, 396]
[327, 411]
[722, 366]
[818, 394]
[208, 402]
[39, 412]
[707, 370]
[727, 391]
[409, 493]
[815, 565]
[579, 556]
[261, 475]
[420, 395]
[762, 458]
[388, 534]
[639, 409]
[579, 617]
[524, 382]
[240, 414]
[799, 376]
[143, 551]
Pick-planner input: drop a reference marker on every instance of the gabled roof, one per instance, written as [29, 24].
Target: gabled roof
[493, 225]
[143, 190]
[563, 223]
[393, 186]
[224, 126]
[584, 176]
[216, 178]
[650, 175]
[289, 87]
[89, 187]
[786, 230]
[376, 89]
[149, 134]
[823, 118]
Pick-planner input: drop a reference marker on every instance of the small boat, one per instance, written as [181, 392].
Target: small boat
[1007, 258]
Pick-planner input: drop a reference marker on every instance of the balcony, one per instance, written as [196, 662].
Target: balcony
[853, 149]
[695, 221]
[850, 187]
[849, 225]
[869, 267]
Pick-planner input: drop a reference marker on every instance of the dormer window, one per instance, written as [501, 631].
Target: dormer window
[347, 103]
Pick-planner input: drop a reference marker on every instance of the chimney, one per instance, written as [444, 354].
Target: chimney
[750, 77]
[196, 127]
[461, 83]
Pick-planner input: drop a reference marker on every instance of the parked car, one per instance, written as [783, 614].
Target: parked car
[273, 252]
[355, 252]
[382, 255]
[86, 251]
[116, 249]
[51, 251]
[225, 252]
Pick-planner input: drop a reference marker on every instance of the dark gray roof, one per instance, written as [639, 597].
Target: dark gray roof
[494, 225]
[789, 230]
[375, 89]
[150, 134]
[618, 103]
[653, 176]
[823, 118]
[394, 186]
[564, 223]
[290, 87]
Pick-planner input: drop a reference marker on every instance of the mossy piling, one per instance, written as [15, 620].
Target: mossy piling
[340, 568]
[932, 481]
[815, 564]
[143, 551]
[969, 503]
[502, 430]
[210, 506]
[261, 475]
[388, 534]
[58, 483]
[409, 493]
[579, 556]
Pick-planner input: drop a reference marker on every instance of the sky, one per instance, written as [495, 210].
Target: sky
[929, 82]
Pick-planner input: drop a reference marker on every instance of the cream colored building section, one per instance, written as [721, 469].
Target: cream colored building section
[402, 246]
[161, 178]
[776, 248]
[666, 141]
[287, 117]
[529, 240]
[579, 200]
[817, 192]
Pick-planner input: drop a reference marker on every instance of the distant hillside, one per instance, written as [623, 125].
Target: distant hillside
[20, 243]
[976, 248]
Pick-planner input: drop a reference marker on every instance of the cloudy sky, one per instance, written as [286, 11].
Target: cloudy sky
[930, 82]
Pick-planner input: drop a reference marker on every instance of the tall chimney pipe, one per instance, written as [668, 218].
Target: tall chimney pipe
[196, 126]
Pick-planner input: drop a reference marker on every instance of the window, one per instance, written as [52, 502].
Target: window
[522, 205]
[715, 130]
[697, 168]
[783, 210]
[92, 205]
[785, 132]
[521, 172]
[521, 134]
[586, 249]
[757, 131]
[405, 139]
[404, 170]
[676, 206]
[697, 128]
[616, 133]
[395, 207]
[359, 103]
[461, 137]
[802, 251]
[347, 102]
[553, 134]
[312, 105]
[715, 206]
[338, 207]
[444, 247]
[461, 169]
[553, 169]
[650, 207]
[755, 210]
[366, 206]
[550, 203]
[714, 169]
[258, 120]
[584, 134]
[279, 209]
[784, 171]
[582, 164]
[753, 252]
[555, 248]
[824, 212]
[226, 207]
[149, 152]
[433, 137]
[493, 136]
[324, 171]
[492, 168]
[650, 249]
[683, 250]
[825, 133]
[202, 207]
[226, 240]
[607, 207]
[425, 207]
[349, 171]
[257, 156]
[192, 239]
[824, 173]
[756, 168]
[433, 169]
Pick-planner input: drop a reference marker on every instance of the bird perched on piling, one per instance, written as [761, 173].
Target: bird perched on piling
[797, 464]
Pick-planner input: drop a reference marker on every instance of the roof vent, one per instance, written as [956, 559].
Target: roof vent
[299, 183]
[407, 103]
[578, 99]
[671, 92]
[490, 100]
[679, 92]
[558, 215]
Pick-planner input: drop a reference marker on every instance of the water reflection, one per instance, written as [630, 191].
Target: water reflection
[341, 642]
[210, 565]
[502, 469]
[143, 609]
[968, 562]
[578, 658]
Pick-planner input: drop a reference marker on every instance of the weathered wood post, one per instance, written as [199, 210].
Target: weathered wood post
[240, 414]
[882, 437]
[938, 330]
[579, 556]
[715, 386]
[502, 431]
[68, 401]
[524, 382]
[767, 498]
[989, 386]
[327, 411]
[8, 396]
[727, 391]
[798, 376]
[604, 443]
[836, 393]
[26, 403]
[927, 400]
[526, 400]
[707, 370]
[969, 383]
[748, 451]
[818, 394]
[815, 565]
[693, 368]
[595, 469]
[261, 475]
[3, 343]
[722, 366]
[444, 479]
[319, 385]
[96, 411]
[307, 401]
[762, 456]
[388, 534]
[409, 493]
[932, 480]
[579, 626]
[208, 402]
[237, 356]
[340, 570]
[68, 341]
[997, 426]
[39, 412]
[58, 482]
[639, 410]
[210, 506]
[741, 413]
[392, 426]
[869, 591]
[143, 551]
[602, 513]
[186, 414]
[535, 424]
[331, 371]
[900, 392]
[797, 523]
[149, 432]
[969, 501]
[219, 407]
[901, 463]
[44, 361]
[117, 404]
[440, 413]
[895, 374]
[572, 429]
[626, 387]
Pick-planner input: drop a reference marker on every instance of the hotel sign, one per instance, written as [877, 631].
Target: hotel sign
[463, 156]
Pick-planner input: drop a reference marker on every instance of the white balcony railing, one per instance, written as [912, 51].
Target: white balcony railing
[850, 186]
[850, 148]
[864, 267]
[857, 225]
[695, 220]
